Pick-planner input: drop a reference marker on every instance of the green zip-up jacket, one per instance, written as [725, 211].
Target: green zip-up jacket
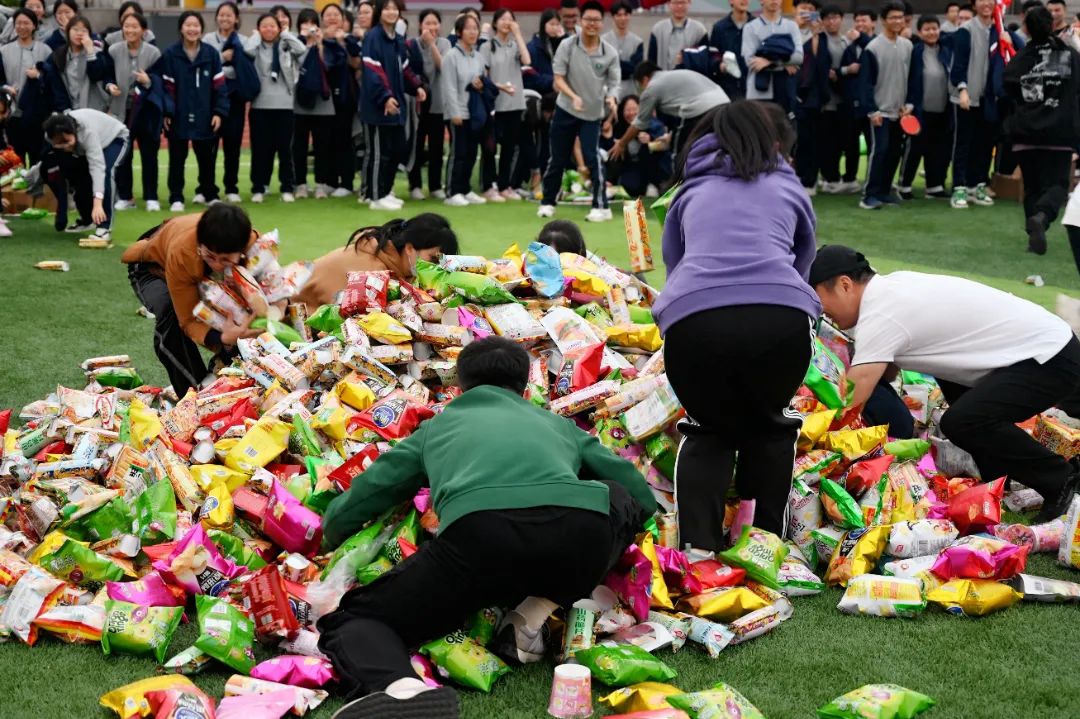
[489, 449]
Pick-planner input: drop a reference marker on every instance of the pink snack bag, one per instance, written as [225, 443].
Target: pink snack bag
[272, 705]
[150, 591]
[196, 564]
[631, 580]
[979, 556]
[296, 670]
[290, 524]
[425, 670]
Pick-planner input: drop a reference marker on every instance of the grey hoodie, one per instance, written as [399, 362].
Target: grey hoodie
[125, 65]
[503, 61]
[95, 132]
[458, 70]
[275, 93]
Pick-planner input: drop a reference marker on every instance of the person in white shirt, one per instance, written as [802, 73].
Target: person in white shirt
[999, 360]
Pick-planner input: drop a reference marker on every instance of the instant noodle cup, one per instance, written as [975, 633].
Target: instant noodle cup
[196, 565]
[296, 670]
[826, 377]
[854, 444]
[1069, 550]
[260, 446]
[644, 696]
[858, 553]
[393, 417]
[814, 427]
[980, 557]
[571, 692]
[974, 597]
[624, 664]
[130, 700]
[840, 506]
[580, 632]
[920, 538]
[877, 701]
[724, 604]
[760, 553]
[720, 701]
[881, 596]
[290, 524]
[133, 629]
[462, 660]
[225, 633]
[979, 508]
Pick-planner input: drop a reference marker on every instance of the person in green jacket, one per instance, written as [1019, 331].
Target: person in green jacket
[528, 505]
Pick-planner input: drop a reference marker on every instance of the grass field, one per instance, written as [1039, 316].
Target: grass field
[1020, 663]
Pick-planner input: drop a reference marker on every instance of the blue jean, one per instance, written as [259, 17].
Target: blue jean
[564, 129]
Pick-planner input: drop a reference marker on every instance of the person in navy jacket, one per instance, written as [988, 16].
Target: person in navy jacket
[196, 104]
[928, 95]
[539, 79]
[76, 72]
[345, 92]
[812, 95]
[387, 77]
[241, 86]
[63, 12]
[727, 37]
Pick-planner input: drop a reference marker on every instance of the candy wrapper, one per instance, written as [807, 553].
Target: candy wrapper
[920, 538]
[462, 660]
[304, 700]
[290, 524]
[881, 596]
[858, 553]
[623, 665]
[180, 704]
[979, 508]
[760, 553]
[644, 696]
[130, 700]
[840, 506]
[877, 701]
[826, 377]
[132, 629]
[1043, 589]
[196, 564]
[974, 597]
[225, 633]
[725, 604]
[1069, 551]
[712, 636]
[720, 701]
[980, 557]
[394, 417]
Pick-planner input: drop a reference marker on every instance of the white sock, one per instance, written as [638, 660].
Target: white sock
[406, 688]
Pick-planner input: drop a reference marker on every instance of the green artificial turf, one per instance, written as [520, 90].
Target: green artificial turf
[1020, 663]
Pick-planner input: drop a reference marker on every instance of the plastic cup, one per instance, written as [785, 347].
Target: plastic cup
[571, 692]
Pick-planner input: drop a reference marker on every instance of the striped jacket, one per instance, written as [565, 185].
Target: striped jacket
[387, 73]
[194, 90]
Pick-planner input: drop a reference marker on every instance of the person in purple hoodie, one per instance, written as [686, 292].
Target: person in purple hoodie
[737, 315]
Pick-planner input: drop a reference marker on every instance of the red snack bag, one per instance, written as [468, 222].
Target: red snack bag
[364, 291]
[57, 447]
[344, 474]
[234, 415]
[866, 474]
[299, 604]
[267, 600]
[712, 574]
[414, 293]
[979, 508]
[395, 416]
[249, 504]
[186, 703]
[284, 472]
[581, 368]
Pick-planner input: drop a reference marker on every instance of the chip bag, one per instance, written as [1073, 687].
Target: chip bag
[877, 701]
[290, 524]
[866, 474]
[624, 664]
[920, 538]
[196, 564]
[1069, 549]
[826, 377]
[724, 604]
[858, 553]
[225, 633]
[260, 446]
[580, 368]
[856, 444]
[543, 268]
[814, 427]
[155, 513]
[760, 553]
[804, 516]
[130, 700]
[980, 557]
[393, 417]
[979, 508]
[79, 565]
[148, 591]
[974, 597]
[644, 696]
[840, 506]
[133, 629]
[711, 574]
[461, 659]
[881, 596]
[73, 623]
[364, 291]
[296, 670]
[720, 701]
[180, 704]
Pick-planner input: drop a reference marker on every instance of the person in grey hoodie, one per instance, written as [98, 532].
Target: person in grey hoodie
[44, 24]
[431, 128]
[504, 54]
[139, 106]
[275, 53]
[462, 69]
[75, 71]
[20, 61]
[671, 36]
[737, 315]
[128, 7]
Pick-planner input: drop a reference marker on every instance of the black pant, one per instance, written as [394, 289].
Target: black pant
[973, 147]
[838, 138]
[464, 143]
[232, 135]
[682, 133]
[504, 134]
[25, 138]
[982, 419]
[1074, 242]
[807, 157]
[886, 407]
[178, 354]
[148, 135]
[755, 357]
[1046, 182]
[564, 129]
[320, 128]
[271, 135]
[205, 155]
[64, 171]
[429, 151]
[886, 146]
[385, 151]
[343, 157]
[931, 147]
[636, 173]
[493, 558]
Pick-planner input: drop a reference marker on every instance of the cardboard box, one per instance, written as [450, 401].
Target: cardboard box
[1008, 187]
[15, 201]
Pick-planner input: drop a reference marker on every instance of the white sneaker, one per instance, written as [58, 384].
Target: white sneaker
[341, 192]
[511, 195]
[233, 198]
[546, 211]
[301, 191]
[257, 197]
[475, 199]
[417, 194]
[397, 202]
[289, 197]
[439, 195]
[812, 191]
[652, 191]
[598, 214]
[457, 200]
[384, 204]
[731, 65]
[122, 205]
[492, 195]
[176, 207]
[153, 206]
[321, 192]
[199, 199]
[102, 233]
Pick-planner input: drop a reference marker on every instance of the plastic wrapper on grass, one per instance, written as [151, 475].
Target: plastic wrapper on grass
[877, 701]
[623, 665]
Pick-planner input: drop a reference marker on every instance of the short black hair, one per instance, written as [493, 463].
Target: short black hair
[830, 10]
[27, 13]
[224, 228]
[282, 9]
[267, 16]
[429, 11]
[562, 236]
[621, 6]
[892, 6]
[909, 9]
[1028, 4]
[185, 15]
[816, 4]
[592, 5]
[568, 4]
[139, 18]
[949, 6]
[495, 361]
[967, 6]
[1055, 2]
[69, 3]
[58, 124]
[129, 5]
[644, 69]
[1040, 25]
[927, 20]
[459, 23]
[867, 12]
[380, 5]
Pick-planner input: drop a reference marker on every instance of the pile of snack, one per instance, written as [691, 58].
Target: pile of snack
[122, 506]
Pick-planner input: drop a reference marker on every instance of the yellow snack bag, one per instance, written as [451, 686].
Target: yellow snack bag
[645, 337]
[333, 421]
[641, 697]
[723, 604]
[52, 542]
[145, 424]
[658, 596]
[217, 510]
[130, 700]
[857, 443]
[384, 328]
[224, 445]
[974, 597]
[260, 446]
[814, 427]
[513, 252]
[11, 442]
[857, 553]
[354, 393]
[207, 475]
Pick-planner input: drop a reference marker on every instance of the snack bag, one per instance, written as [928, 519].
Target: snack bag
[915, 568]
[856, 444]
[814, 427]
[155, 513]
[720, 701]
[881, 596]
[267, 600]
[34, 594]
[73, 623]
[866, 474]
[290, 524]
[581, 368]
[1037, 537]
[826, 540]
[1043, 589]
[196, 564]
[133, 629]
[640, 336]
[296, 670]
[858, 553]
[643, 696]
[74, 562]
[711, 574]
[840, 506]
[543, 268]
[920, 538]
[974, 597]
[145, 424]
[364, 291]
[907, 450]
[712, 636]
[826, 377]
[658, 592]
[760, 553]
[724, 604]
[814, 464]
[238, 686]
[225, 633]
[877, 701]
[1069, 551]
[130, 700]
[180, 704]
[624, 664]
[980, 557]
[797, 580]
[461, 659]
[262, 443]
[804, 516]
[979, 508]
[393, 417]
[217, 510]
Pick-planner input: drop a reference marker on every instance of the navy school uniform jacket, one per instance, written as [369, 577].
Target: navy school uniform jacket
[194, 90]
[813, 89]
[849, 82]
[540, 76]
[915, 79]
[387, 73]
[246, 84]
[98, 71]
[341, 76]
[726, 36]
[995, 69]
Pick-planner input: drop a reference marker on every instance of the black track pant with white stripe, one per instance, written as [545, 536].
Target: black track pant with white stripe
[178, 354]
[735, 370]
[385, 151]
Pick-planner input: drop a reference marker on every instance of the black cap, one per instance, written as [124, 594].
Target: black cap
[835, 260]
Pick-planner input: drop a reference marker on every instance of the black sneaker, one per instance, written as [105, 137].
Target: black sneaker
[1051, 510]
[906, 194]
[939, 195]
[80, 226]
[441, 703]
[1036, 232]
[891, 199]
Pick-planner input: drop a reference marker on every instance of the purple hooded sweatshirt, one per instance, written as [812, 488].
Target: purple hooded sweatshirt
[731, 242]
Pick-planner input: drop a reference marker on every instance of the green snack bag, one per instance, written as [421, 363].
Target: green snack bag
[302, 438]
[826, 377]
[840, 506]
[326, 319]
[134, 629]
[390, 554]
[80, 565]
[720, 701]
[661, 204]
[906, 450]
[623, 665]
[372, 571]
[431, 277]
[282, 332]
[912, 377]
[320, 500]
[362, 547]
[760, 553]
[299, 485]
[661, 449]
[611, 433]
[190, 661]
[464, 661]
[34, 213]
[393, 291]
[479, 288]
[120, 377]
[225, 633]
[234, 548]
[826, 540]
[596, 315]
[652, 528]
[877, 701]
[155, 513]
[105, 522]
[482, 625]
[641, 315]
